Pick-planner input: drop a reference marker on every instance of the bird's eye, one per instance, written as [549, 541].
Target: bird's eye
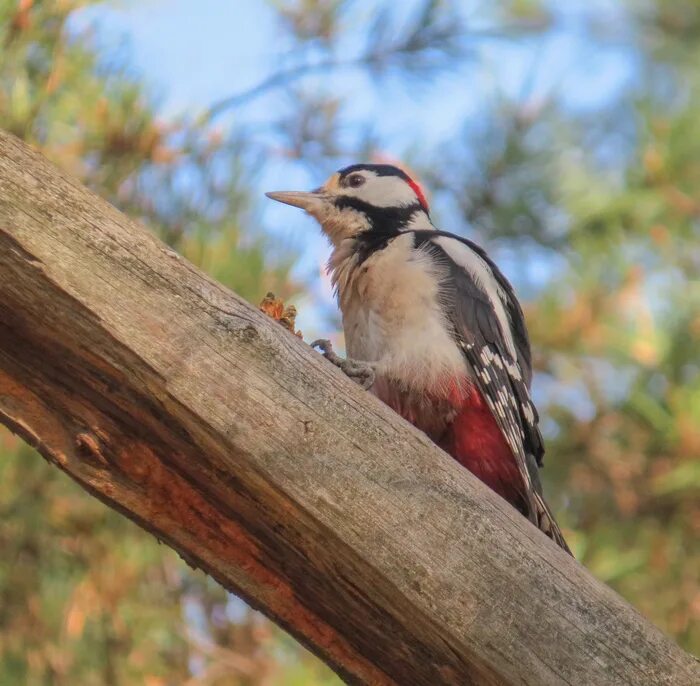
[355, 180]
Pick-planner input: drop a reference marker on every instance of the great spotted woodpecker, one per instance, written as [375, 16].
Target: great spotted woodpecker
[434, 327]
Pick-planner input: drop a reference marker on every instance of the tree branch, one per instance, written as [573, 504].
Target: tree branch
[278, 78]
[175, 402]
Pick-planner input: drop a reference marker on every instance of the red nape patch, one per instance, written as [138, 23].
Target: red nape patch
[419, 192]
[476, 442]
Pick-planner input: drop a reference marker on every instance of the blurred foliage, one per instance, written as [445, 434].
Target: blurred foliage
[594, 214]
[85, 596]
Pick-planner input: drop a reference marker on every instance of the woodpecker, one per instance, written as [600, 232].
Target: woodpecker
[433, 327]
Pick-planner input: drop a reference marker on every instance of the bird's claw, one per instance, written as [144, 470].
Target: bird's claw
[326, 348]
[361, 372]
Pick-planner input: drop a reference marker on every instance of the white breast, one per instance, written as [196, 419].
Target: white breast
[392, 315]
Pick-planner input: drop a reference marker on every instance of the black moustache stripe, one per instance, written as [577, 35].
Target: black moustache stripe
[386, 223]
[381, 218]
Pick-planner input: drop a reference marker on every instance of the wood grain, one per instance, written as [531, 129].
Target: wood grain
[175, 402]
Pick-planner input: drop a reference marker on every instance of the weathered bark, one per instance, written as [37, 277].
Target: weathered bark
[175, 402]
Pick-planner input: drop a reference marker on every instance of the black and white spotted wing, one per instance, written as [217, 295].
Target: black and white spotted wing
[489, 325]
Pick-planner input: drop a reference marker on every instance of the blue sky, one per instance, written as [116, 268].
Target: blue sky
[192, 54]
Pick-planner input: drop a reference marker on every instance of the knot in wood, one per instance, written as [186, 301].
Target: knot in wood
[88, 447]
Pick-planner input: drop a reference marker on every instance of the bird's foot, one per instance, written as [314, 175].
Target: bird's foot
[359, 371]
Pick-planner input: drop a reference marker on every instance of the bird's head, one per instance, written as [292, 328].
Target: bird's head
[363, 197]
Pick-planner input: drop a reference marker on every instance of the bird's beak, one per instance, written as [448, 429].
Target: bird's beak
[307, 200]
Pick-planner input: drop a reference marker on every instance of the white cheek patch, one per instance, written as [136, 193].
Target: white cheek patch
[383, 191]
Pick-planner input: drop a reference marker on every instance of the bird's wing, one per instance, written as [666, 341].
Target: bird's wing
[489, 326]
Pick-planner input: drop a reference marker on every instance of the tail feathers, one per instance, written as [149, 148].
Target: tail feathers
[476, 442]
[547, 523]
[541, 515]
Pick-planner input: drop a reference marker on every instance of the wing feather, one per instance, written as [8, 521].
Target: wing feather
[502, 379]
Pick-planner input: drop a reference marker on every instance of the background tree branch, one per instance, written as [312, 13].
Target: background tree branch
[175, 402]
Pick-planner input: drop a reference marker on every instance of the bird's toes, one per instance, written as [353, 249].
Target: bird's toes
[326, 348]
[361, 372]
[323, 344]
